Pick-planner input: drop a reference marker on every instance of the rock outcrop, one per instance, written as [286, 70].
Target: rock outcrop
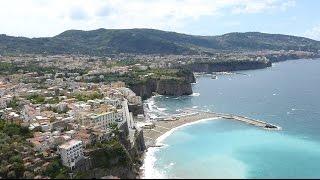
[285, 57]
[171, 87]
[119, 158]
[210, 67]
[136, 109]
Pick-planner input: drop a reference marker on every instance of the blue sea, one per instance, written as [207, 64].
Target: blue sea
[286, 94]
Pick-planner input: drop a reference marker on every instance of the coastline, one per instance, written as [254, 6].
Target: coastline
[155, 134]
[168, 127]
[162, 127]
[150, 161]
[161, 138]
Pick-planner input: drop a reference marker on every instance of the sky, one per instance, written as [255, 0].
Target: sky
[46, 18]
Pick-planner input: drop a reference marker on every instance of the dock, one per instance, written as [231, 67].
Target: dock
[162, 126]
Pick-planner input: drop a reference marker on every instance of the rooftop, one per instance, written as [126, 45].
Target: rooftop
[70, 144]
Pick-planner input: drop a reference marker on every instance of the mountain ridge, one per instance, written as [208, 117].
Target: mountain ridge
[151, 41]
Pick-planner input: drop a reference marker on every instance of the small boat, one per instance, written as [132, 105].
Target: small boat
[214, 77]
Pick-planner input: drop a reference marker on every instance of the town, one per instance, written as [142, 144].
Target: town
[65, 116]
[63, 120]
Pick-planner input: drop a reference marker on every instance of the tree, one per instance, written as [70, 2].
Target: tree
[14, 103]
[11, 175]
[28, 175]
[36, 98]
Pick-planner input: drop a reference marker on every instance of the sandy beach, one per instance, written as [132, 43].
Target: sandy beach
[162, 127]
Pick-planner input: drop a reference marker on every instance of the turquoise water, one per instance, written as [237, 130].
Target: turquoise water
[286, 95]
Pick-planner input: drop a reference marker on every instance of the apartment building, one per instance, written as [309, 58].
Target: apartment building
[71, 152]
[103, 120]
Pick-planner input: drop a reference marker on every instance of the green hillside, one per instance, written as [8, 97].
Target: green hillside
[150, 41]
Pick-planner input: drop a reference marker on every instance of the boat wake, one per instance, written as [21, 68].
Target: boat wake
[195, 94]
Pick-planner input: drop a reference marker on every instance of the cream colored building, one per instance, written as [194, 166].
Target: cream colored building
[103, 120]
[71, 152]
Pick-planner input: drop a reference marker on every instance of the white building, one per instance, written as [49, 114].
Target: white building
[71, 152]
[114, 102]
[103, 120]
[62, 106]
[127, 116]
[29, 112]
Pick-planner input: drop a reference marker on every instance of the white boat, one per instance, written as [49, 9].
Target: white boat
[214, 77]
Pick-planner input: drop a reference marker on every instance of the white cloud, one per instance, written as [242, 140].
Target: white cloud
[261, 6]
[313, 33]
[35, 18]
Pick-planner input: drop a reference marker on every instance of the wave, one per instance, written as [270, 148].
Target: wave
[150, 104]
[293, 109]
[152, 110]
[149, 171]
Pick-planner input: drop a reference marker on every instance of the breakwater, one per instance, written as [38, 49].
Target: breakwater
[163, 125]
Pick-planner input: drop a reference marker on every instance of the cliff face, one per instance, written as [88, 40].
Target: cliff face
[227, 66]
[118, 159]
[146, 89]
[136, 109]
[285, 57]
[171, 87]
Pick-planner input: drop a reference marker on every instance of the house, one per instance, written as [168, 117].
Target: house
[29, 112]
[39, 145]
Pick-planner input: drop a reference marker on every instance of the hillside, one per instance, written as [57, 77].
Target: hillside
[150, 41]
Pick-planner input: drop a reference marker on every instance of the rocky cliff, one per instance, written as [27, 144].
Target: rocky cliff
[172, 87]
[117, 158]
[209, 67]
[285, 57]
[136, 109]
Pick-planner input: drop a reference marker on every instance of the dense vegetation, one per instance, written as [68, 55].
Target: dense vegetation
[14, 149]
[86, 97]
[137, 76]
[7, 68]
[112, 153]
[149, 41]
[36, 98]
[11, 68]
[56, 170]
[14, 103]
[12, 142]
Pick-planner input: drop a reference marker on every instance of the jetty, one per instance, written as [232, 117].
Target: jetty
[160, 127]
[251, 121]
